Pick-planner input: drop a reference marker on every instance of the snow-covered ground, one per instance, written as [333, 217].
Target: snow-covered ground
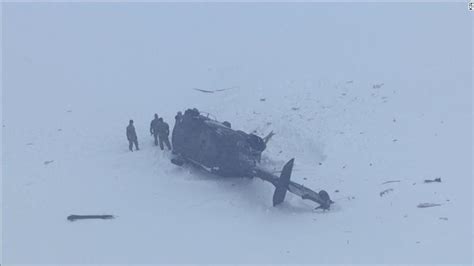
[360, 94]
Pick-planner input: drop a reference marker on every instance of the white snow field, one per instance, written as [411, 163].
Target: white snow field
[359, 94]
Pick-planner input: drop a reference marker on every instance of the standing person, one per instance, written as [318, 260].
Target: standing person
[163, 133]
[132, 136]
[154, 129]
[178, 119]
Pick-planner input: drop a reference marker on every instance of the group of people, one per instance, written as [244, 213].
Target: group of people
[159, 129]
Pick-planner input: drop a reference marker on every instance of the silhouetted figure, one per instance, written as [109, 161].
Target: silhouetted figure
[132, 136]
[154, 129]
[163, 133]
[178, 119]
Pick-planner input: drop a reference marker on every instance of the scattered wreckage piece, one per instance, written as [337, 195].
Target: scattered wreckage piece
[385, 192]
[433, 180]
[75, 217]
[216, 148]
[427, 205]
[212, 91]
[390, 181]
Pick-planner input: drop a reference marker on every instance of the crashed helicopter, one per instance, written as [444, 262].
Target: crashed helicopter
[216, 148]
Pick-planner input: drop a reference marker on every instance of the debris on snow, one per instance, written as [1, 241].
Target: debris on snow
[211, 91]
[427, 205]
[262, 99]
[205, 91]
[385, 191]
[75, 217]
[378, 86]
[443, 218]
[48, 162]
[433, 180]
[390, 181]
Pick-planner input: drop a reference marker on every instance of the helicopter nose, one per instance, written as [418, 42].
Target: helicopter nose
[327, 200]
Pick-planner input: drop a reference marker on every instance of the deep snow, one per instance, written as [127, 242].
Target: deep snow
[74, 74]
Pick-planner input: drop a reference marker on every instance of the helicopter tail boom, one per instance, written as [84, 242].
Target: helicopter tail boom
[283, 184]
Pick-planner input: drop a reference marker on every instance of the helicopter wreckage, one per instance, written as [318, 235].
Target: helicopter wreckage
[216, 148]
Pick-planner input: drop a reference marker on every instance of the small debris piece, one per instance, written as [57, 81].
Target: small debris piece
[443, 218]
[390, 181]
[69, 111]
[304, 178]
[433, 180]
[395, 140]
[295, 108]
[29, 143]
[349, 81]
[320, 163]
[225, 89]
[378, 86]
[385, 192]
[75, 217]
[262, 99]
[60, 129]
[427, 205]
[205, 91]
[336, 191]
[370, 164]
[48, 162]
[344, 167]
[394, 120]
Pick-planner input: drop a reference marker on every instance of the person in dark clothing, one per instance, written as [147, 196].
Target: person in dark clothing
[163, 133]
[154, 129]
[178, 119]
[132, 136]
